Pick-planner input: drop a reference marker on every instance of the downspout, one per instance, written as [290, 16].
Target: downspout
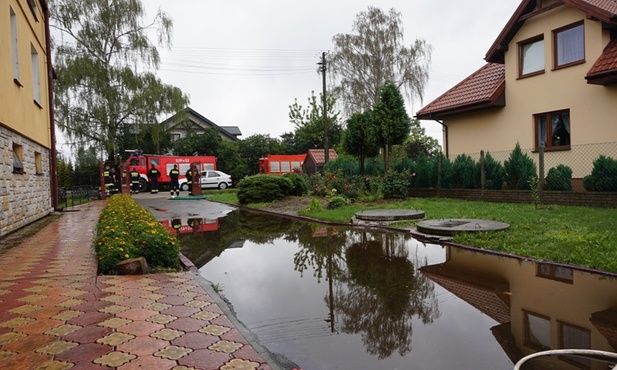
[445, 137]
[53, 162]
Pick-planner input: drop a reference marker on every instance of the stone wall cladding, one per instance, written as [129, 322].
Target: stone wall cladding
[24, 198]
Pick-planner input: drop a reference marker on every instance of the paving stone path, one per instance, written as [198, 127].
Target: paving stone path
[56, 313]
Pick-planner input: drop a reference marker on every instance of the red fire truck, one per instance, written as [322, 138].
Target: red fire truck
[280, 164]
[164, 163]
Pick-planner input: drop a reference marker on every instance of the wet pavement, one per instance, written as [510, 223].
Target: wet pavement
[56, 313]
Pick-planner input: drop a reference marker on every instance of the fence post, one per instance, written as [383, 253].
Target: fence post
[482, 173]
[541, 167]
[439, 171]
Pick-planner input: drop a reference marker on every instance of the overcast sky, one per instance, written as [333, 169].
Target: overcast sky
[243, 62]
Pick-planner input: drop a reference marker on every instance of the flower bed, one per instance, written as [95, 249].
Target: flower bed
[126, 230]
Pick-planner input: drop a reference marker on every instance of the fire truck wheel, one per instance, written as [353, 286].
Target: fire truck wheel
[143, 185]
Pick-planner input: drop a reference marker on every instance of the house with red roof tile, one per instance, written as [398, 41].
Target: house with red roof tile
[550, 81]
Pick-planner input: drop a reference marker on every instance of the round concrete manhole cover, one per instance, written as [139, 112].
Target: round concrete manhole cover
[390, 214]
[452, 226]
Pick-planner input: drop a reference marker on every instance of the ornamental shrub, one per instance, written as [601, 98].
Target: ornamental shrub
[263, 189]
[519, 169]
[603, 175]
[396, 185]
[559, 178]
[493, 173]
[298, 184]
[126, 230]
[463, 170]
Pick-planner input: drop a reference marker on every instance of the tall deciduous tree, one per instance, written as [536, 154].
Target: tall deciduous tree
[105, 62]
[309, 124]
[362, 62]
[391, 120]
[418, 142]
[254, 147]
[360, 138]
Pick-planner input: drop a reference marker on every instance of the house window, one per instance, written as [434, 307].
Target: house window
[36, 80]
[32, 5]
[18, 159]
[571, 336]
[175, 137]
[552, 130]
[531, 54]
[537, 331]
[38, 163]
[555, 272]
[14, 47]
[569, 43]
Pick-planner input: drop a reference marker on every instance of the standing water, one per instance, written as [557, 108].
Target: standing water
[326, 298]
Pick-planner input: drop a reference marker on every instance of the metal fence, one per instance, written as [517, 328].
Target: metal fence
[77, 195]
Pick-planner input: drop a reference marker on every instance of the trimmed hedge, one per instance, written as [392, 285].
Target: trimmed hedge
[264, 189]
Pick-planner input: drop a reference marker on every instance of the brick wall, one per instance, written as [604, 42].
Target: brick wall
[588, 199]
[24, 198]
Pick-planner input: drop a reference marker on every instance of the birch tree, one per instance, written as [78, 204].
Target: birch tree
[363, 61]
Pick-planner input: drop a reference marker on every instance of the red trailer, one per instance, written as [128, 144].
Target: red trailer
[280, 164]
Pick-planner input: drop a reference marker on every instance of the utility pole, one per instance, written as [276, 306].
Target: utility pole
[325, 109]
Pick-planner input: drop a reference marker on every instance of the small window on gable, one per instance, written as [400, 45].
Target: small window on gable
[552, 130]
[531, 57]
[569, 44]
[18, 159]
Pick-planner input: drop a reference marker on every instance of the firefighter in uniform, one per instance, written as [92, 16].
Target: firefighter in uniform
[173, 175]
[154, 175]
[109, 181]
[115, 186]
[134, 181]
[189, 179]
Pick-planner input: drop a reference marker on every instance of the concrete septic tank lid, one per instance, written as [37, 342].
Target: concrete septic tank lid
[389, 214]
[457, 225]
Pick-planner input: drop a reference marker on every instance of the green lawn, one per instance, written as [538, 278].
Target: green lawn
[579, 236]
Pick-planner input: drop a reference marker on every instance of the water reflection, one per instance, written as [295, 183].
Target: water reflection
[339, 298]
[538, 306]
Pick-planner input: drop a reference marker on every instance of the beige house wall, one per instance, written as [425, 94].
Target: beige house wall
[25, 196]
[18, 111]
[593, 108]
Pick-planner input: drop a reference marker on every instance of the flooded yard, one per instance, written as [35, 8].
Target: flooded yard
[322, 298]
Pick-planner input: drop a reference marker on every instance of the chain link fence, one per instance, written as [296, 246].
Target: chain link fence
[591, 167]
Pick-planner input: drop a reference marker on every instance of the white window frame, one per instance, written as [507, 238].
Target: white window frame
[36, 76]
[14, 46]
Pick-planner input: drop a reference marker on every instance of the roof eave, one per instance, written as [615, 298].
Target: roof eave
[496, 52]
[497, 100]
[605, 78]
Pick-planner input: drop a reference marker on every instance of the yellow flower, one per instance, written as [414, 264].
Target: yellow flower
[121, 250]
[126, 256]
